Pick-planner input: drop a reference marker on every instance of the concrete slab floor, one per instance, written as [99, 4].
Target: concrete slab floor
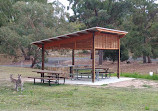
[88, 81]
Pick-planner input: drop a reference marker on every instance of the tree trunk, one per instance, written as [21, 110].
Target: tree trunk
[100, 57]
[144, 58]
[149, 59]
[35, 58]
[34, 61]
[26, 57]
[96, 13]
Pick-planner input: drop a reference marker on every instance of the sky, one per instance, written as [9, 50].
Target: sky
[66, 3]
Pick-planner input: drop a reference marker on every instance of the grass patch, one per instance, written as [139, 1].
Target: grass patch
[143, 76]
[70, 97]
[147, 86]
[25, 72]
[84, 71]
[79, 98]
[132, 75]
[147, 108]
[104, 85]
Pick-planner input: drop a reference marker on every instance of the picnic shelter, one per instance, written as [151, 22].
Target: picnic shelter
[96, 38]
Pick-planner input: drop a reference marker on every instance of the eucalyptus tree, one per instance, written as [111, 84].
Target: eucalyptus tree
[104, 13]
[5, 12]
[142, 23]
[9, 41]
[34, 21]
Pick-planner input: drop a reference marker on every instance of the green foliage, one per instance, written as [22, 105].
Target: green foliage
[99, 13]
[109, 14]
[5, 12]
[32, 21]
[9, 41]
[113, 54]
[142, 33]
[138, 17]
[124, 53]
[85, 52]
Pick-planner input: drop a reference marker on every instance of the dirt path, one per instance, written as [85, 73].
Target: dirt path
[136, 83]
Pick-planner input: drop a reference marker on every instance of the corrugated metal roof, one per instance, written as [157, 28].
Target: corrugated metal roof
[86, 31]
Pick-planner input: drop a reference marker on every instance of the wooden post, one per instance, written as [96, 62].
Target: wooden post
[118, 63]
[73, 57]
[42, 56]
[93, 59]
[73, 63]
[42, 74]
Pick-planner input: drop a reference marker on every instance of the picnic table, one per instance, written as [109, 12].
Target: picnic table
[49, 76]
[98, 70]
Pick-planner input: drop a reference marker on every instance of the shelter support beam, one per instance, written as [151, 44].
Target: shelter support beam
[42, 56]
[93, 59]
[73, 57]
[42, 74]
[73, 62]
[118, 63]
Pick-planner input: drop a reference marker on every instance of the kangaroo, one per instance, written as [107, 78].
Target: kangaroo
[18, 82]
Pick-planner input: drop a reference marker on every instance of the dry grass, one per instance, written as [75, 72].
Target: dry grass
[25, 72]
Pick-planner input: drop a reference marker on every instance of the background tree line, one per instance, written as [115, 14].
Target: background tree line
[138, 17]
[25, 21]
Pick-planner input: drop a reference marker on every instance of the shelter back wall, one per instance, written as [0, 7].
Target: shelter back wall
[106, 41]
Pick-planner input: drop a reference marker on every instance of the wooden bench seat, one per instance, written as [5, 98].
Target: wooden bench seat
[60, 76]
[86, 73]
[106, 74]
[100, 72]
[44, 78]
